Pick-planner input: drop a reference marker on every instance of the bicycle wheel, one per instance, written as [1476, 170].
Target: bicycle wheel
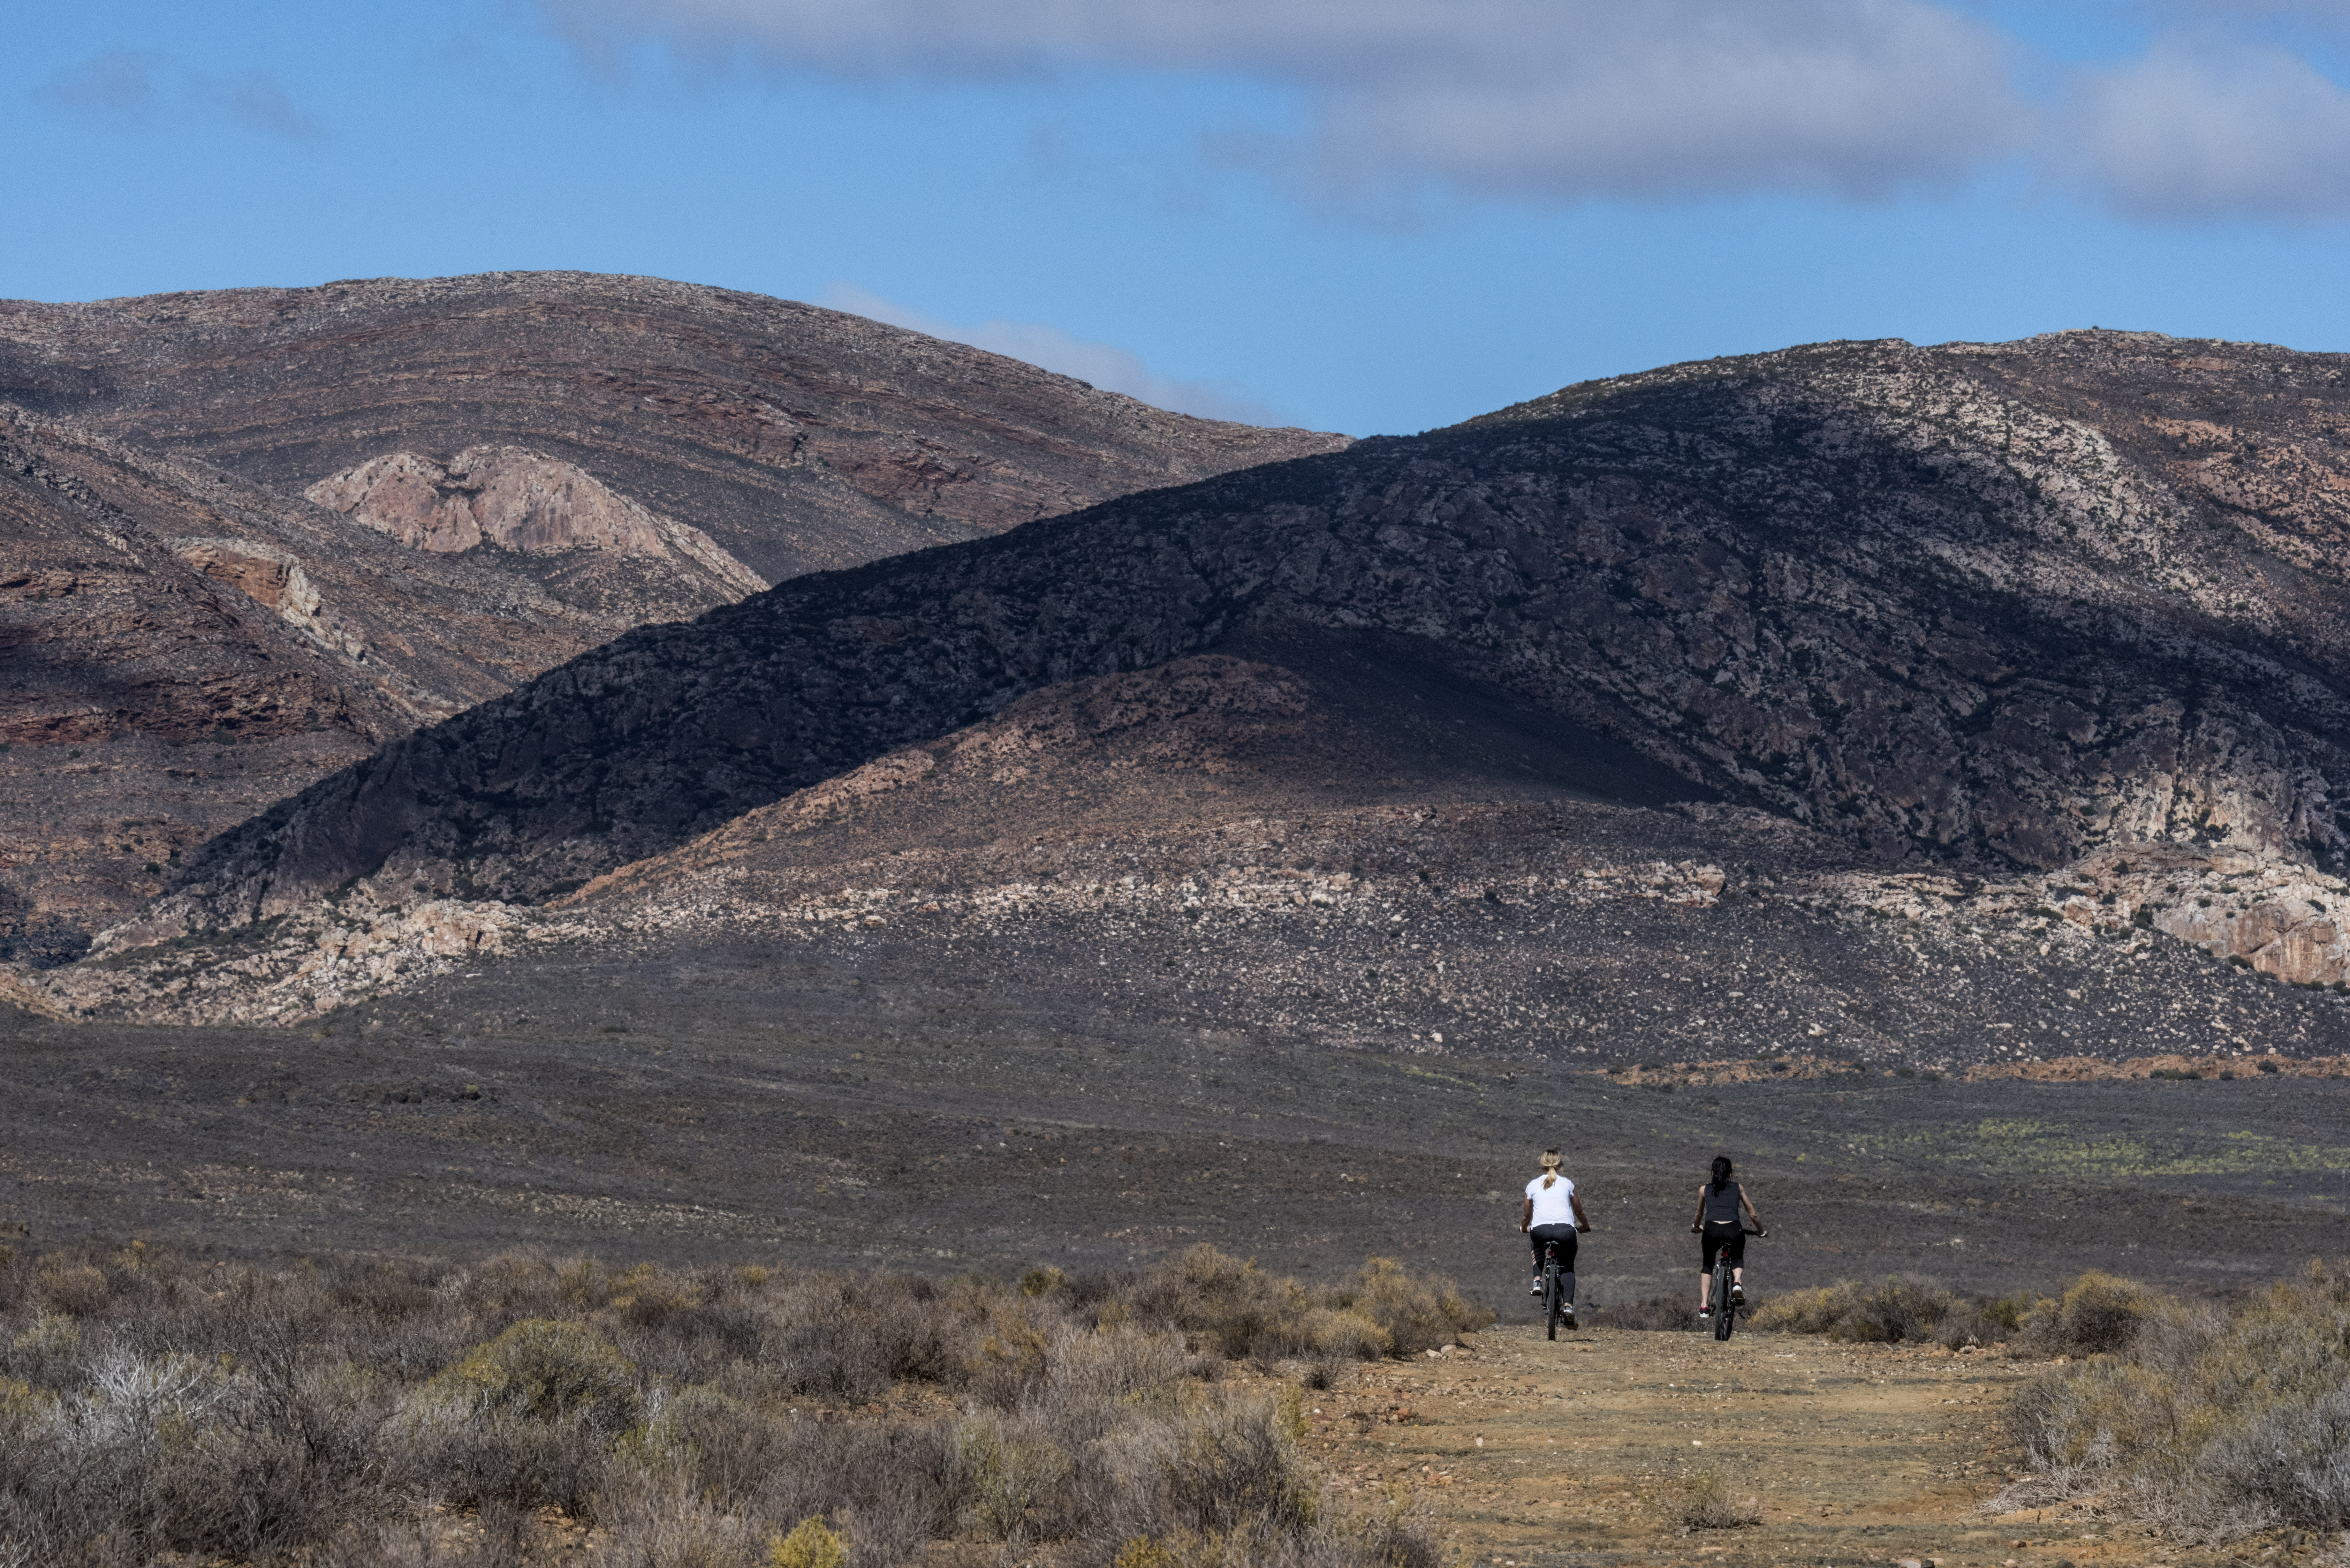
[1551, 1293]
[1725, 1311]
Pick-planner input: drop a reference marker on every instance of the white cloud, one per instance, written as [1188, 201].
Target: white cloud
[2211, 133]
[1111, 368]
[1561, 97]
[1634, 100]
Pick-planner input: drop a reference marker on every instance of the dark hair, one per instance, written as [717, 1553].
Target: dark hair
[1721, 1171]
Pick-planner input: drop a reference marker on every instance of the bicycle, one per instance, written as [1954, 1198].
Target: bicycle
[1725, 1300]
[1553, 1292]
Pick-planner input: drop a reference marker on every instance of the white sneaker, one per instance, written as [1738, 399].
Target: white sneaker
[1566, 1315]
[1738, 1296]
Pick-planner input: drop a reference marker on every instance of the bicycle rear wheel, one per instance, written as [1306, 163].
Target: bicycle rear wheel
[1725, 1311]
[1552, 1293]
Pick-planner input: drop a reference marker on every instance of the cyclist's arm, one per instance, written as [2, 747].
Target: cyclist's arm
[1748, 1204]
[1582, 1220]
[1527, 1216]
[1696, 1220]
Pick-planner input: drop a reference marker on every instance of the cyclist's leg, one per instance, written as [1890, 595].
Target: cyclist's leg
[1738, 1265]
[1561, 1239]
[1705, 1246]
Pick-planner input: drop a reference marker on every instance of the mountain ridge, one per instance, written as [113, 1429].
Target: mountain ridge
[1924, 613]
[280, 445]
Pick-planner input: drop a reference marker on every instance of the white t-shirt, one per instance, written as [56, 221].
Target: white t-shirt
[1553, 1205]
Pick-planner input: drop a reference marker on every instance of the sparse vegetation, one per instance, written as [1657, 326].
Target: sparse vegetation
[360, 1414]
[1898, 1308]
[1706, 1502]
[2211, 1423]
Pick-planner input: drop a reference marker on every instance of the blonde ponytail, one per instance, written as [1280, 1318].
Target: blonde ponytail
[1550, 1180]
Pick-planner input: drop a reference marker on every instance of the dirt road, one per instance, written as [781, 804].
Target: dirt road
[1526, 1451]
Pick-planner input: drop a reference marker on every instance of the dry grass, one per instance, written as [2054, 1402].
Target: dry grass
[1705, 1502]
[2211, 1423]
[698, 1419]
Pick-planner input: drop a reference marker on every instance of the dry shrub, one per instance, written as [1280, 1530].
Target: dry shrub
[1706, 1502]
[1898, 1307]
[836, 1336]
[77, 1289]
[2098, 1315]
[325, 1413]
[1234, 1308]
[665, 1525]
[2211, 1424]
[548, 1370]
[1415, 1312]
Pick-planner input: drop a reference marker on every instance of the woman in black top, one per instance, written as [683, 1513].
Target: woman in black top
[1723, 1216]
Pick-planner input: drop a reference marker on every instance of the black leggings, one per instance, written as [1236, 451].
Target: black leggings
[1718, 1237]
[1566, 1237]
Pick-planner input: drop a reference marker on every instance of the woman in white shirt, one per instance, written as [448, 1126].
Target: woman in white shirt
[1554, 1213]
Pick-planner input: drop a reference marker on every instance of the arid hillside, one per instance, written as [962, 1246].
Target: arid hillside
[799, 439]
[294, 525]
[1942, 616]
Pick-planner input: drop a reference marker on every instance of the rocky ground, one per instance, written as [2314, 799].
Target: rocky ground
[725, 1104]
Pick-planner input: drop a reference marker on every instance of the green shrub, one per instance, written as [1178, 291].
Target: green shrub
[809, 1545]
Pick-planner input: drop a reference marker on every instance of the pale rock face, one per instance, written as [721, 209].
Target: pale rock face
[518, 500]
[272, 578]
[2264, 912]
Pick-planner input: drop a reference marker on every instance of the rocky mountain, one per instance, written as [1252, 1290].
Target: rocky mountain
[797, 438]
[1992, 607]
[295, 524]
[1311, 840]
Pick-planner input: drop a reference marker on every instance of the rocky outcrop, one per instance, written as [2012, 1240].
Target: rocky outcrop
[520, 501]
[1916, 598]
[327, 956]
[182, 649]
[2260, 912]
[264, 574]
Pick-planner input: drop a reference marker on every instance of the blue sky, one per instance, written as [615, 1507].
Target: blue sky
[1367, 215]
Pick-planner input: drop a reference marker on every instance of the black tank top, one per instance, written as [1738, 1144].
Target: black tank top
[1722, 1207]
